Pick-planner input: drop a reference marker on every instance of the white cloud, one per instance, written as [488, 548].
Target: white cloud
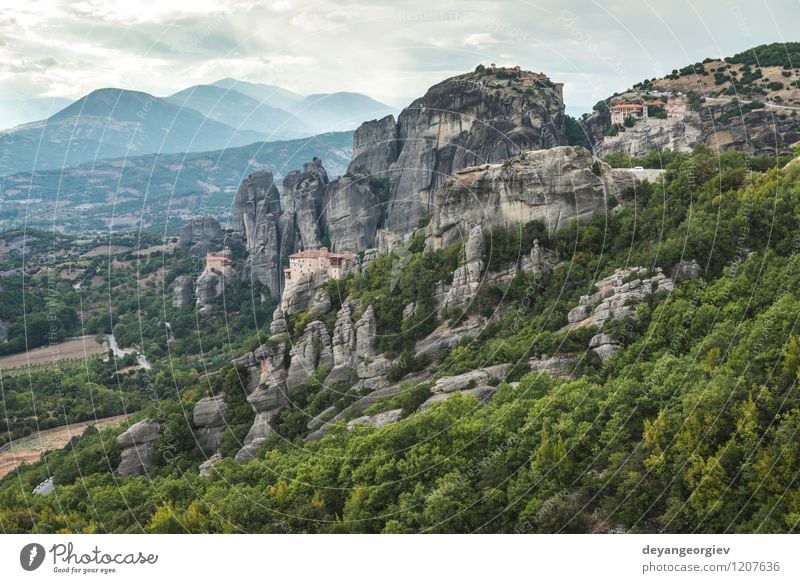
[390, 50]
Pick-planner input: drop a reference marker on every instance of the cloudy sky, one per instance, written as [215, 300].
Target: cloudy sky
[390, 49]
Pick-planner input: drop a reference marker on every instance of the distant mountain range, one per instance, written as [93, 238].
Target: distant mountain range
[116, 123]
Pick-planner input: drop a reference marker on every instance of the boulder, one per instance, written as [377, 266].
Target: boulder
[138, 448]
[470, 379]
[208, 417]
[482, 393]
[379, 420]
[604, 345]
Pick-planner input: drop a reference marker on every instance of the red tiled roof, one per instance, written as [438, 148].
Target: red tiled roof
[627, 106]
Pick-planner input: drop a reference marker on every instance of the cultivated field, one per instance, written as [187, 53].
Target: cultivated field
[66, 350]
[28, 449]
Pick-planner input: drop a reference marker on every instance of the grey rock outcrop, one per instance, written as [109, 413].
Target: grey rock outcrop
[553, 186]
[366, 334]
[138, 448]
[616, 298]
[445, 337]
[396, 169]
[686, 269]
[375, 147]
[313, 350]
[355, 206]
[463, 121]
[278, 324]
[483, 393]
[205, 467]
[182, 292]
[200, 235]
[209, 285]
[267, 401]
[378, 420]
[208, 417]
[558, 366]
[304, 200]
[300, 295]
[344, 345]
[470, 379]
[604, 345]
[678, 134]
[467, 276]
[256, 215]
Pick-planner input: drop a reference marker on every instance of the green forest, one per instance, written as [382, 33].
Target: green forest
[692, 426]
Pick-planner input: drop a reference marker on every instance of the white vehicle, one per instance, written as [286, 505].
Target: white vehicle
[637, 169]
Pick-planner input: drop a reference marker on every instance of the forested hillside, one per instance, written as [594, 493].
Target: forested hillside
[691, 426]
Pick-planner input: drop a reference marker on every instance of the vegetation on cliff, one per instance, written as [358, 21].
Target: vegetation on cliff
[690, 427]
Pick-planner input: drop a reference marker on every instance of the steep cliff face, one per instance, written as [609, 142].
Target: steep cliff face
[375, 147]
[476, 118]
[257, 215]
[200, 235]
[553, 186]
[678, 134]
[467, 120]
[355, 205]
[304, 198]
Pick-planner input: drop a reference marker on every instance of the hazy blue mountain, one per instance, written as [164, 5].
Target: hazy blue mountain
[342, 110]
[240, 111]
[323, 112]
[109, 123]
[156, 190]
[271, 95]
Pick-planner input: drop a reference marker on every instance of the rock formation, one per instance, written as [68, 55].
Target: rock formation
[344, 345]
[209, 419]
[313, 350]
[678, 134]
[470, 119]
[304, 200]
[553, 186]
[467, 276]
[617, 296]
[208, 286]
[201, 235]
[138, 448]
[604, 345]
[256, 215]
[182, 292]
[355, 205]
[476, 118]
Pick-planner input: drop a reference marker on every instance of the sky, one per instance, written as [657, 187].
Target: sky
[52, 51]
